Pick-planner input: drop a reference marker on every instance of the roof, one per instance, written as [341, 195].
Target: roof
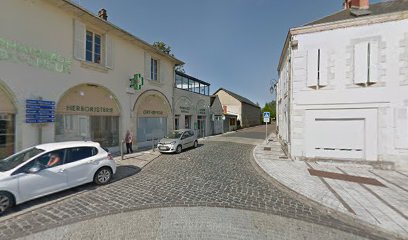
[378, 13]
[59, 145]
[192, 78]
[374, 10]
[79, 11]
[238, 97]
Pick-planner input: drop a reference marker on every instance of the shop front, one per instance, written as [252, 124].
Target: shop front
[7, 125]
[88, 112]
[152, 115]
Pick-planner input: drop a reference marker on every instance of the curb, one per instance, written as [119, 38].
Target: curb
[361, 225]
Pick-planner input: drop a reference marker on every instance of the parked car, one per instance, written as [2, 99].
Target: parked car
[178, 140]
[50, 168]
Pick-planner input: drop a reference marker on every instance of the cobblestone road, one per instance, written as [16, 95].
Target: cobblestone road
[217, 174]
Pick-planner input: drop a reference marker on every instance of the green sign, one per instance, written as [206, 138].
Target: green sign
[137, 81]
[76, 108]
[15, 52]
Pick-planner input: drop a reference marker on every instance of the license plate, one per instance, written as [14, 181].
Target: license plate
[162, 148]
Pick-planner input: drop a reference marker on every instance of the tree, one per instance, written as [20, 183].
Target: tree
[163, 47]
[180, 68]
[270, 107]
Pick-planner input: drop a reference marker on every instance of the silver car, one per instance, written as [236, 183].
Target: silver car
[178, 140]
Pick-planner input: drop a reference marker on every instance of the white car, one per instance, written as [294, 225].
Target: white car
[50, 168]
[178, 140]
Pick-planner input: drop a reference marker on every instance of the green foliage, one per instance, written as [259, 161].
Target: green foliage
[270, 107]
[180, 68]
[163, 47]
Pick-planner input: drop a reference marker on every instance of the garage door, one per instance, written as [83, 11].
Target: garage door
[338, 138]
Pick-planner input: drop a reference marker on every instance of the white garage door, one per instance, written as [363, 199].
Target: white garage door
[338, 138]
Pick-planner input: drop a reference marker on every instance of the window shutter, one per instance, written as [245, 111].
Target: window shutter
[374, 62]
[360, 63]
[323, 81]
[161, 71]
[79, 40]
[148, 59]
[108, 52]
[312, 57]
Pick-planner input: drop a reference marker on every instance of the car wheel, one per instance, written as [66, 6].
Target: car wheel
[195, 144]
[6, 201]
[103, 176]
[179, 149]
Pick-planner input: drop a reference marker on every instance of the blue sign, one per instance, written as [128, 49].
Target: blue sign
[40, 111]
[266, 114]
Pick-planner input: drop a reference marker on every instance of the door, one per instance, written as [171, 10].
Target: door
[201, 126]
[52, 178]
[84, 127]
[187, 140]
[339, 138]
[80, 165]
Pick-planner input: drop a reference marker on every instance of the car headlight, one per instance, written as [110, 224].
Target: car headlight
[172, 143]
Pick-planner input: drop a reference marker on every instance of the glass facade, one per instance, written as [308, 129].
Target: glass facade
[192, 85]
[7, 130]
[101, 129]
[149, 128]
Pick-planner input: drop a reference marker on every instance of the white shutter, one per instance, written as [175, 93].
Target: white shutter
[79, 40]
[148, 60]
[374, 62]
[361, 63]
[324, 58]
[312, 57]
[108, 52]
[161, 70]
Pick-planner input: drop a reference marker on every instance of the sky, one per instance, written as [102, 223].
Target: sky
[234, 44]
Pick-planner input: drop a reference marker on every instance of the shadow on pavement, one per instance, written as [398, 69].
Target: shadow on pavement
[122, 172]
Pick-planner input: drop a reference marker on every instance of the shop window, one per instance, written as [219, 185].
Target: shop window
[93, 47]
[232, 121]
[153, 69]
[151, 128]
[102, 129]
[7, 128]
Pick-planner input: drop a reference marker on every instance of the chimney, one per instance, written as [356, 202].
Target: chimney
[356, 4]
[103, 14]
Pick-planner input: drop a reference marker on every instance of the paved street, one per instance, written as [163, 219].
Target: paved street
[217, 174]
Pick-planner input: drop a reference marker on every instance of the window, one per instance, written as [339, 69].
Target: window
[232, 122]
[49, 160]
[153, 69]
[79, 153]
[187, 122]
[316, 68]
[365, 63]
[93, 47]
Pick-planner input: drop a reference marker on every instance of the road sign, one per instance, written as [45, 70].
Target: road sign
[267, 116]
[40, 111]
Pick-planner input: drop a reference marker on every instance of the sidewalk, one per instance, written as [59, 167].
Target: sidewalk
[374, 196]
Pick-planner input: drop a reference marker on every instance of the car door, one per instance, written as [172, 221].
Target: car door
[188, 140]
[184, 139]
[52, 178]
[81, 164]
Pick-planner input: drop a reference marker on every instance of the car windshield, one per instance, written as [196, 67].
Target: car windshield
[18, 158]
[174, 134]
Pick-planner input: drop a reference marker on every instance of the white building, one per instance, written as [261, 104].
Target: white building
[343, 85]
[57, 51]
